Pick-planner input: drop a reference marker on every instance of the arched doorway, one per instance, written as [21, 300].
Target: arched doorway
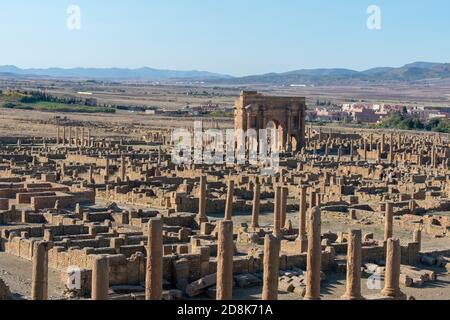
[294, 142]
[275, 130]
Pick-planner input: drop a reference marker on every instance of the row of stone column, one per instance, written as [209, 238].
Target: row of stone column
[79, 138]
[100, 268]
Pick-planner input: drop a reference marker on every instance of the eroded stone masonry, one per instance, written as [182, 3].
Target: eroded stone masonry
[130, 224]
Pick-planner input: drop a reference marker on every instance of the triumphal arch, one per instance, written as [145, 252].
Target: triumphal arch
[286, 114]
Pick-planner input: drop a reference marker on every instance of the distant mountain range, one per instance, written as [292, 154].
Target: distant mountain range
[410, 72]
[112, 73]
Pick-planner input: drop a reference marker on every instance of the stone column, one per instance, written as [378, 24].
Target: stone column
[154, 273]
[229, 200]
[123, 168]
[82, 136]
[225, 253]
[76, 136]
[70, 136]
[39, 274]
[388, 221]
[57, 135]
[91, 174]
[271, 267]
[100, 278]
[312, 198]
[302, 237]
[256, 205]
[417, 237]
[283, 208]
[314, 258]
[392, 277]
[277, 209]
[107, 169]
[354, 263]
[201, 217]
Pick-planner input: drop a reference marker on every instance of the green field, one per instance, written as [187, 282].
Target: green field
[13, 102]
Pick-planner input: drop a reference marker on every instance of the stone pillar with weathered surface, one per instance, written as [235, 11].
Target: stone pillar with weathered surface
[392, 277]
[70, 136]
[277, 209]
[100, 278]
[417, 237]
[354, 263]
[314, 257]
[225, 253]
[123, 168]
[229, 200]
[107, 170]
[283, 208]
[302, 237]
[201, 217]
[271, 267]
[39, 274]
[256, 205]
[57, 135]
[154, 273]
[312, 198]
[388, 221]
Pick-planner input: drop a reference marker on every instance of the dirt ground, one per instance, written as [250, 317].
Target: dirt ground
[16, 272]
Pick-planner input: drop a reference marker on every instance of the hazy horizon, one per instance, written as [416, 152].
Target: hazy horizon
[226, 37]
[228, 74]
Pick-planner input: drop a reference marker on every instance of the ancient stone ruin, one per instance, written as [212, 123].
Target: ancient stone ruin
[119, 220]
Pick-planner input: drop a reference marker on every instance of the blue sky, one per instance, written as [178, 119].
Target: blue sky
[237, 37]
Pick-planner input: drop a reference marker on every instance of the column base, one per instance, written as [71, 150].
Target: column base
[352, 297]
[394, 294]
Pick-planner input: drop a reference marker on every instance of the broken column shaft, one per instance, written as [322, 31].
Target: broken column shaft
[39, 275]
[225, 253]
[100, 278]
[256, 205]
[314, 257]
[271, 267]
[354, 263]
[229, 200]
[154, 273]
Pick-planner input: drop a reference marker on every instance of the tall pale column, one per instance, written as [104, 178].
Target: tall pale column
[314, 258]
[312, 198]
[123, 168]
[76, 136]
[284, 196]
[154, 273]
[392, 277]
[39, 275]
[57, 135]
[225, 253]
[201, 217]
[100, 278]
[271, 267]
[302, 237]
[354, 263]
[388, 221]
[417, 237]
[229, 200]
[277, 209]
[256, 205]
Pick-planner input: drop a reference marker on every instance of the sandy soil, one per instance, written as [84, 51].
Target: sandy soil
[16, 272]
